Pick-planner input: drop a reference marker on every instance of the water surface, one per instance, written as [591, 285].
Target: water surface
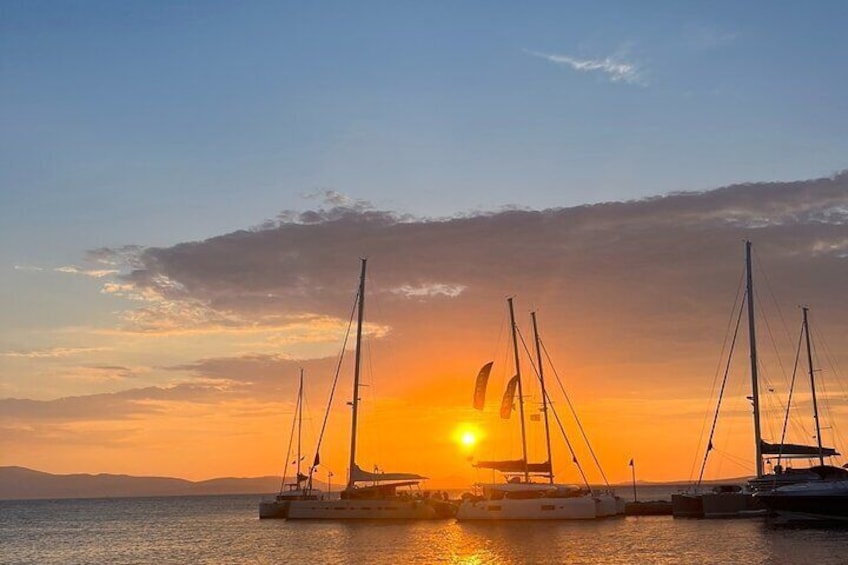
[225, 529]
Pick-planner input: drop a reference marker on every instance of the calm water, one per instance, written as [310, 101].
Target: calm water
[225, 529]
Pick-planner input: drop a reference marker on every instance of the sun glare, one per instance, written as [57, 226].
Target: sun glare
[467, 436]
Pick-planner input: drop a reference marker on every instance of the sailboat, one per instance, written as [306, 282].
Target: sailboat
[816, 494]
[522, 496]
[737, 501]
[369, 495]
[297, 490]
[729, 500]
[781, 476]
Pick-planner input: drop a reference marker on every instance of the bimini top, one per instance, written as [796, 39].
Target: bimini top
[796, 450]
[357, 475]
[515, 466]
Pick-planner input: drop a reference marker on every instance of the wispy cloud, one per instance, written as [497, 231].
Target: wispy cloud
[53, 352]
[95, 273]
[429, 290]
[616, 69]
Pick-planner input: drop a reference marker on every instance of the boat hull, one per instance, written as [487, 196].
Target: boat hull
[607, 505]
[369, 509]
[717, 505]
[687, 506]
[574, 508]
[732, 505]
[808, 508]
[269, 509]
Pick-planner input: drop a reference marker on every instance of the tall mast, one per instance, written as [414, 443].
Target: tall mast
[355, 402]
[752, 344]
[520, 394]
[299, 424]
[813, 386]
[544, 396]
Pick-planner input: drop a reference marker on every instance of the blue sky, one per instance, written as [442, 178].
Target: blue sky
[154, 123]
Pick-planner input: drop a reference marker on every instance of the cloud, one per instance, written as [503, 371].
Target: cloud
[124, 405]
[645, 270]
[615, 69]
[53, 352]
[429, 290]
[95, 273]
[633, 300]
[31, 268]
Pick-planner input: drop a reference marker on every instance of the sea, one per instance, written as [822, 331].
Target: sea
[227, 530]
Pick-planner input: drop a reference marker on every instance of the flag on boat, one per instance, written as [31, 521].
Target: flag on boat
[317, 460]
[480, 385]
[631, 463]
[509, 398]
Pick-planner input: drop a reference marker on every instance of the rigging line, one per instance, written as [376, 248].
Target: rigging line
[720, 395]
[288, 449]
[764, 275]
[724, 346]
[841, 393]
[773, 296]
[826, 396]
[831, 362]
[556, 416]
[372, 395]
[765, 374]
[568, 443]
[791, 392]
[829, 356]
[574, 414]
[333, 389]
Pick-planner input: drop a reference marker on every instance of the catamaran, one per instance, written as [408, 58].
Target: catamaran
[815, 494]
[369, 495]
[522, 496]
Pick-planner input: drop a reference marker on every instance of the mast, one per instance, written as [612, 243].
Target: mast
[520, 394]
[544, 396]
[299, 424]
[355, 402]
[813, 386]
[752, 344]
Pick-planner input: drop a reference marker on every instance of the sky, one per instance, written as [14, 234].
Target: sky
[186, 189]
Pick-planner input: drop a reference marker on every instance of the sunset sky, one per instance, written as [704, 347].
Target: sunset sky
[186, 190]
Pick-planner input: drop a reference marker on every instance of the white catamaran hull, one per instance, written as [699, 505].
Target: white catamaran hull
[365, 509]
[608, 505]
[573, 508]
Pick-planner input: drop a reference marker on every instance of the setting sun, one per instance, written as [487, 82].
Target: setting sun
[468, 438]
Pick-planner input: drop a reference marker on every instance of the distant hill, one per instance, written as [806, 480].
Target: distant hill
[17, 483]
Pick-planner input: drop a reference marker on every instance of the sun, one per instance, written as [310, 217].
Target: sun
[467, 436]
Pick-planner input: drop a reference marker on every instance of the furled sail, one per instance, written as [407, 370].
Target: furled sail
[357, 475]
[796, 450]
[509, 398]
[480, 385]
[515, 466]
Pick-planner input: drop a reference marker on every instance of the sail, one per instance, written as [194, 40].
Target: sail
[796, 450]
[480, 385]
[515, 466]
[509, 398]
[357, 475]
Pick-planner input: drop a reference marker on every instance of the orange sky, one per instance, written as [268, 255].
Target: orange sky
[190, 366]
